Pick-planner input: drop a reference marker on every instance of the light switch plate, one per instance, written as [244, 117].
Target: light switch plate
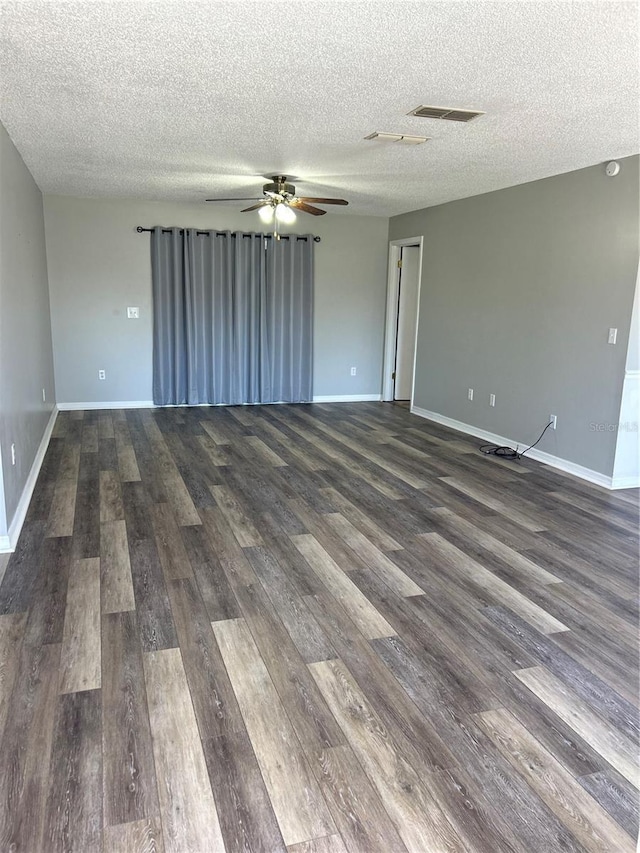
[613, 336]
[133, 313]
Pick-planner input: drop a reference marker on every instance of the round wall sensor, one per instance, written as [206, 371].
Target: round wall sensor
[612, 168]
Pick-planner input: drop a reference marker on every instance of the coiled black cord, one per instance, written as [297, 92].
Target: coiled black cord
[507, 452]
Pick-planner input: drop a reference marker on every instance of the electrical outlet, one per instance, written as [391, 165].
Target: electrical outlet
[354, 371]
[102, 374]
[13, 454]
[470, 394]
[492, 399]
[133, 313]
[553, 420]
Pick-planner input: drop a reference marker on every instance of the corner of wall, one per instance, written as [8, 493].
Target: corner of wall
[26, 352]
[5, 544]
[626, 463]
[9, 541]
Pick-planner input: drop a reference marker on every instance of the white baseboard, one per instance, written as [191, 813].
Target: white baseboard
[109, 404]
[149, 404]
[348, 398]
[8, 543]
[572, 468]
[539, 455]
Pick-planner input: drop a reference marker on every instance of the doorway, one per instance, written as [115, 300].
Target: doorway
[405, 265]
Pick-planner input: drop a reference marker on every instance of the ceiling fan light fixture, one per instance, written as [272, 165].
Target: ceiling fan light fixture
[285, 214]
[280, 202]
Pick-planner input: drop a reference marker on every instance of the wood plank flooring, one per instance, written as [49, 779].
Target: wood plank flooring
[317, 629]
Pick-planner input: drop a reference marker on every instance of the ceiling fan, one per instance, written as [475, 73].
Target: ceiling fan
[281, 202]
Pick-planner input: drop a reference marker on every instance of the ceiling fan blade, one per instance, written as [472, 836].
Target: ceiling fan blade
[255, 206]
[253, 198]
[298, 204]
[324, 200]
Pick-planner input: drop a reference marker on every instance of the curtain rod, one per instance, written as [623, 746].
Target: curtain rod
[140, 229]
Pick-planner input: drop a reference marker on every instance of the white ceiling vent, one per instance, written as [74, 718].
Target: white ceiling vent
[403, 139]
[448, 113]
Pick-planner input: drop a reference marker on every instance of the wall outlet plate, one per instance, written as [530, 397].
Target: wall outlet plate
[133, 313]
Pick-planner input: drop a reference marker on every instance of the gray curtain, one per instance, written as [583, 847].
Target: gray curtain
[232, 317]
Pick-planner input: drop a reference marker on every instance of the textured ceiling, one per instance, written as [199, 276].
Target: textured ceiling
[186, 100]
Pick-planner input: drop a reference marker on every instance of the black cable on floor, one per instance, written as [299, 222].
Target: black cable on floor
[507, 452]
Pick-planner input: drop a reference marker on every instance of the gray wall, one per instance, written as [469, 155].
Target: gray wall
[26, 362]
[99, 265]
[519, 288]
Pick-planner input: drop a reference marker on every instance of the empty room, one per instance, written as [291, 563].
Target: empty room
[319, 402]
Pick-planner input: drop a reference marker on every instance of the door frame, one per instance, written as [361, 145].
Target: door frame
[391, 322]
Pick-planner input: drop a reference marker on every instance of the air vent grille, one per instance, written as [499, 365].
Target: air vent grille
[403, 139]
[447, 113]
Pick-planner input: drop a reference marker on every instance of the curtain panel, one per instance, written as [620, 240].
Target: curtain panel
[232, 318]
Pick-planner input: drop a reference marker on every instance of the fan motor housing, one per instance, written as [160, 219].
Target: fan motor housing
[279, 186]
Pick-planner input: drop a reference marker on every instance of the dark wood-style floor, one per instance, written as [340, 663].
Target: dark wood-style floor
[316, 629]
